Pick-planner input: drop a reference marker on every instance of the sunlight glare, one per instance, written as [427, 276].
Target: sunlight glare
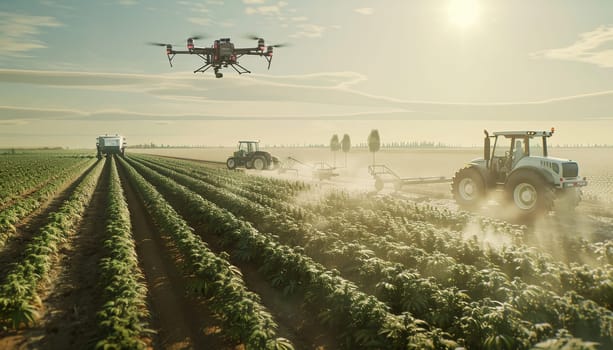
[463, 13]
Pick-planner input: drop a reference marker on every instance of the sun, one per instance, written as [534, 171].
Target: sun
[463, 13]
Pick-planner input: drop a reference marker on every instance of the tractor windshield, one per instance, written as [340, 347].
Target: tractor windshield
[502, 147]
[243, 146]
[248, 147]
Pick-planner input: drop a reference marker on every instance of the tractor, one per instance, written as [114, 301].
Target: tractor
[250, 156]
[528, 177]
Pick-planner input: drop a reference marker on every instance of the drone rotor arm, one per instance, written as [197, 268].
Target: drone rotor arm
[247, 51]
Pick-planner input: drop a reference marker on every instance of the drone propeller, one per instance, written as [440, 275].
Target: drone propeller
[198, 37]
[253, 37]
[280, 45]
[158, 44]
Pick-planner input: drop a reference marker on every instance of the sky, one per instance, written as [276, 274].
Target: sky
[427, 70]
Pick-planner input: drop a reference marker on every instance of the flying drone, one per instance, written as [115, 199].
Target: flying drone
[221, 54]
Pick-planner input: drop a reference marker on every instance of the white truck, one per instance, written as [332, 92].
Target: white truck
[108, 145]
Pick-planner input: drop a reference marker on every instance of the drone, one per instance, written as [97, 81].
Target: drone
[222, 54]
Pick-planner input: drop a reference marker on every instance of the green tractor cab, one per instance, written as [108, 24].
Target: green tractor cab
[249, 156]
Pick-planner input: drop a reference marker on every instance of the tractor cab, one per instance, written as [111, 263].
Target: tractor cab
[510, 147]
[247, 147]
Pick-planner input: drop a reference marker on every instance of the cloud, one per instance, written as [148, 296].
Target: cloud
[55, 4]
[183, 96]
[18, 33]
[128, 2]
[202, 21]
[73, 79]
[592, 47]
[365, 11]
[20, 113]
[253, 1]
[272, 10]
[308, 30]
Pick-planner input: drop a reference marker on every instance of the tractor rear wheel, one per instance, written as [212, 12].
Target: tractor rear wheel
[231, 163]
[259, 163]
[468, 188]
[530, 194]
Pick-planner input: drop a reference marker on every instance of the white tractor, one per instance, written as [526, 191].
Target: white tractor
[531, 180]
[110, 145]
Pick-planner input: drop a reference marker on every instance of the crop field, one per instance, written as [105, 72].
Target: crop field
[156, 252]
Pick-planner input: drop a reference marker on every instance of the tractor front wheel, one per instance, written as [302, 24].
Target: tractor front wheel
[530, 194]
[468, 188]
[231, 163]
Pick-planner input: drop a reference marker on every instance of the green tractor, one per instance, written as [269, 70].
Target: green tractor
[249, 156]
[520, 166]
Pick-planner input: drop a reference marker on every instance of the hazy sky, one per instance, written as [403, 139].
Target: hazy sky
[417, 70]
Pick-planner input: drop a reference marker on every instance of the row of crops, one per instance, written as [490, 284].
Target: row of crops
[376, 272]
[26, 183]
[415, 260]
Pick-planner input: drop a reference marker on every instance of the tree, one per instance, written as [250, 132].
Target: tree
[346, 146]
[374, 143]
[335, 146]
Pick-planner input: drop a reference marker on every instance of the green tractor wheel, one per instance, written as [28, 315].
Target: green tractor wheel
[231, 163]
